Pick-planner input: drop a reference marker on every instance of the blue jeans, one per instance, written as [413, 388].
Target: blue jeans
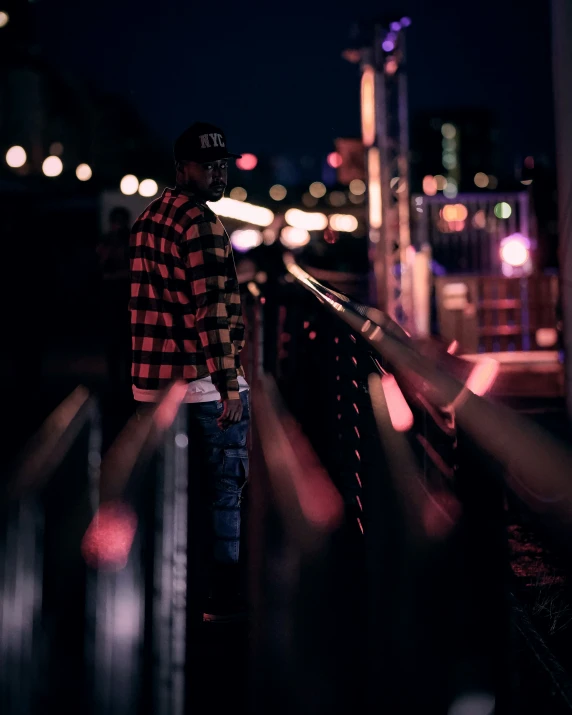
[225, 466]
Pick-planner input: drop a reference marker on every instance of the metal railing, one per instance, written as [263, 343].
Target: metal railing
[423, 463]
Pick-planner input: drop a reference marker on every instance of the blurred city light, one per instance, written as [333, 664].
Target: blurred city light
[244, 240]
[241, 211]
[455, 212]
[357, 187]
[355, 199]
[268, 236]
[148, 188]
[56, 148]
[451, 190]
[430, 185]
[388, 45]
[129, 185]
[493, 182]
[292, 237]
[334, 159]
[405, 22]
[308, 200]
[526, 182]
[52, 166]
[278, 192]
[247, 162]
[4, 19]
[514, 250]
[480, 219]
[337, 198]
[481, 180]
[16, 157]
[441, 182]
[83, 172]
[546, 337]
[238, 193]
[108, 539]
[449, 131]
[368, 106]
[374, 187]
[305, 220]
[503, 210]
[317, 189]
[343, 222]
[529, 162]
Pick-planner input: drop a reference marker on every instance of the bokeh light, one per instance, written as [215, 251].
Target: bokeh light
[343, 222]
[529, 162]
[84, 172]
[441, 182]
[357, 187]
[335, 160]
[148, 188]
[430, 185]
[238, 193]
[52, 166]
[241, 211]
[356, 199]
[493, 182]
[278, 192]
[405, 22]
[56, 148]
[309, 200]
[245, 240]
[368, 106]
[455, 212]
[16, 157]
[292, 237]
[317, 189]
[449, 131]
[337, 198]
[129, 185]
[514, 250]
[306, 220]
[4, 19]
[451, 190]
[247, 162]
[481, 180]
[503, 210]
[480, 219]
[388, 45]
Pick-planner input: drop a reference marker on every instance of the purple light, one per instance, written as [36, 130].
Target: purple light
[388, 45]
[392, 36]
[405, 21]
[395, 26]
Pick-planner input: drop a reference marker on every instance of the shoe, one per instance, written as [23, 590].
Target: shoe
[224, 610]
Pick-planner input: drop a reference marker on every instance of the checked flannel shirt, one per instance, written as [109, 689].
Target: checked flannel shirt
[186, 314]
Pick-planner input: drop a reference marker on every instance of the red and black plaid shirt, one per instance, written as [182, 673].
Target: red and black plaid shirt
[186, 314]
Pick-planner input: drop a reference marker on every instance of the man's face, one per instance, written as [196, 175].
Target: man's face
[207, 181]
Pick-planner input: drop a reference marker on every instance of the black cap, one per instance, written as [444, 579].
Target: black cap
[202, 142]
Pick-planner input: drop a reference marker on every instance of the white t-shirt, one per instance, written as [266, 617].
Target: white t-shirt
[201, 390]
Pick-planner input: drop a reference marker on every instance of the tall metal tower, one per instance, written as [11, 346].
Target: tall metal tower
[385, 134]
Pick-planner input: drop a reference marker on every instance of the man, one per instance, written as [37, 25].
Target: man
[186, 320]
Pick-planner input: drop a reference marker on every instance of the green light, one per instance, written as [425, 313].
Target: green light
[503, 210]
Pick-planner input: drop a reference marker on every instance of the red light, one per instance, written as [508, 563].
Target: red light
[335, 160]
[312, 335]
[109, 537]
[247, 162]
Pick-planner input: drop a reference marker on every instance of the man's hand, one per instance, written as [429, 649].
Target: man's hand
[231, 413]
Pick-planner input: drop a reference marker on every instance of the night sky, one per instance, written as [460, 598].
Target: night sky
[275, 79]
